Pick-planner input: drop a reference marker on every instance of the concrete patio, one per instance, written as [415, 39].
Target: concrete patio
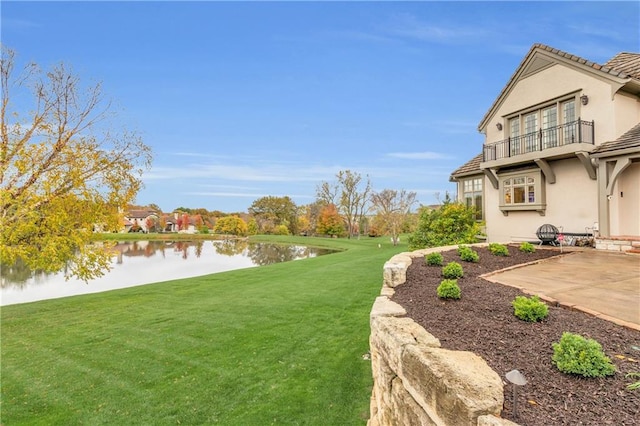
[601, 283]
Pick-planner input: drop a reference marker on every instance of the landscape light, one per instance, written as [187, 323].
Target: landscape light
[517, 379]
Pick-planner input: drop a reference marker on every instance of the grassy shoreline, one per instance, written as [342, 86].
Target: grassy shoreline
[279, 344]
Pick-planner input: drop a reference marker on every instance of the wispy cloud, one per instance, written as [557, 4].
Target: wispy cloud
[425, 155]
[18, 24]
[409, 26]
[253, 173]
[244, 194]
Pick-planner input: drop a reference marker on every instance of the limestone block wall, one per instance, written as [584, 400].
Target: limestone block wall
[623, 244]
[416, 382]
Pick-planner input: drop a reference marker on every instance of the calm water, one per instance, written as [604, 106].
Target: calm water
[144, 262]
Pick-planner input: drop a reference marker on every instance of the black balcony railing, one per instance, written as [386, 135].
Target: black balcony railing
[575, 132]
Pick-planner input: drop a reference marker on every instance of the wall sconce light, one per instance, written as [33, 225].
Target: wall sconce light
[499, 126]
[584, 99]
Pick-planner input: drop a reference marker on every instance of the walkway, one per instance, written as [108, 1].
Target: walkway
[602, 283]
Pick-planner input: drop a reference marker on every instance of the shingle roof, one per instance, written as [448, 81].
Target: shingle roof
[470, 167]
[627, 63]
[629, 140]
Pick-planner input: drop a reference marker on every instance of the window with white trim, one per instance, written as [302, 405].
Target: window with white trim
[522, 191]
[472, 195]
[525, 127]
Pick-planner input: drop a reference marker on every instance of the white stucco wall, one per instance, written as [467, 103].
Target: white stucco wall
[572, 201]
[613, 115]
[571, 204]
[625, 202]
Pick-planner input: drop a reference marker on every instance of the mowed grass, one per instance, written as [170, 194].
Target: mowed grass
[279, 344]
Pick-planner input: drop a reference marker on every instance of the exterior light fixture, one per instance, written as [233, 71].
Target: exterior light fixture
[499, 126]
[517, 379]
[584, 99]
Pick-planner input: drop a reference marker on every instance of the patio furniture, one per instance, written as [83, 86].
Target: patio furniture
[548, 233]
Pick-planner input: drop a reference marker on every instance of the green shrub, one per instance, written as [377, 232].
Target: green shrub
[452, 270]
[468, 254]
[434, 259]
[530, 309]
[448, 289]
[451, 223]
[575, 354]
[527, 247]
[498, 249]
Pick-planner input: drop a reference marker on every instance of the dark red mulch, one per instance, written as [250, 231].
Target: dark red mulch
[482, 322]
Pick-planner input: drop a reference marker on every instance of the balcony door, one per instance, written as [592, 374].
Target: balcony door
[514, 140]
[550, 127]
[570, 125]
[531, 131]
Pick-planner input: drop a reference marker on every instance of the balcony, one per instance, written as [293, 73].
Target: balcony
[554, 141]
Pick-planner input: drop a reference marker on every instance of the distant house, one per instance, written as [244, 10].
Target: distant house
[562, 146]
[139, 220]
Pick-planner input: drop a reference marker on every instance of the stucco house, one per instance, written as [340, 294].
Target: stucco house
[139, 219]
[562, 146]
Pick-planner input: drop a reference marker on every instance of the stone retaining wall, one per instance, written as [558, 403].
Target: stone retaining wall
[416, 382]
[622, 244]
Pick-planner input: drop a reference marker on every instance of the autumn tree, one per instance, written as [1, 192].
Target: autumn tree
[65, 169]
[330, 222]
[272, 211]
[231, 225]
[392, 208]
[151, 224]
[350, 194]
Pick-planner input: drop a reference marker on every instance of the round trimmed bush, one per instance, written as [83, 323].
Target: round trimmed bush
[527, 247]
[575, 354]
[434, 259]
[448, 289]
[530, 309]
[468, 254]
[498, 249]
[452, 270]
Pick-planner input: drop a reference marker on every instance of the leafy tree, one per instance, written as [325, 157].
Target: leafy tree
[330, 222]
[351, 197]
[392, 207]
[162, 223]
[231, 225]
[64, 169]
[182, 210]
[450, 224]
[281, 230]
[252, 227]
[151, 224]
[272, 211]
[308, 217]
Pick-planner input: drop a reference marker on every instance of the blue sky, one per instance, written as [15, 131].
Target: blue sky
[241, 100]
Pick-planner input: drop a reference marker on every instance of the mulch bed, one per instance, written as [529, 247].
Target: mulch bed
[482, 321]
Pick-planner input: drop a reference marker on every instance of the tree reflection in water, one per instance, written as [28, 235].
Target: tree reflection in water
[19, 275]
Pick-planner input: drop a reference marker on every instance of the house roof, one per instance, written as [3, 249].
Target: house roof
[623, 66]
[630, 141]
[140, 214]
[627, 63]
[471, 167]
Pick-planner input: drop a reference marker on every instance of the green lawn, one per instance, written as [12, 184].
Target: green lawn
[279, 344]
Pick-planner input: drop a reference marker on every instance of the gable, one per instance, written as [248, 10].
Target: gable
[541, 57]
[536, 64]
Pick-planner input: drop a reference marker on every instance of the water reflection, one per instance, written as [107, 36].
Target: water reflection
[143, 262]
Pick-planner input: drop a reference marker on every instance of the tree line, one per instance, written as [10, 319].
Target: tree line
[66, 169]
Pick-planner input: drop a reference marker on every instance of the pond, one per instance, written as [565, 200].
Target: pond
[145, 262]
